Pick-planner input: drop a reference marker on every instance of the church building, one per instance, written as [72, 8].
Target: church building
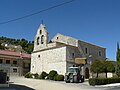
[62, 52]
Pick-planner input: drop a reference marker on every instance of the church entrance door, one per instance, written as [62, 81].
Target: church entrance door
[86, 73]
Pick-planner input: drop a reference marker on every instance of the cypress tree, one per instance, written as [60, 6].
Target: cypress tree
[118, 60]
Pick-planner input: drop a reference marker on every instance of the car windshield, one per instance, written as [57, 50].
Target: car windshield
[72, 70]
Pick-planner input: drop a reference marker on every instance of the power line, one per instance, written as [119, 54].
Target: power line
[29, 15]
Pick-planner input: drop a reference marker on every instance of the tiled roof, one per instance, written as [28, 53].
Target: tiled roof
[17, 54]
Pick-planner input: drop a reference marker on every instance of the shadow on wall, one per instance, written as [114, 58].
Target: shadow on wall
[16, 87]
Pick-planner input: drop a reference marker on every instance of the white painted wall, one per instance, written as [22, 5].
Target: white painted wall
[53, 59]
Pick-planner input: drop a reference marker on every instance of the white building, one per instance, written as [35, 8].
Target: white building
[62, 52]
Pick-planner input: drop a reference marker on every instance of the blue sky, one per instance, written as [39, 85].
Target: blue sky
[94, 21]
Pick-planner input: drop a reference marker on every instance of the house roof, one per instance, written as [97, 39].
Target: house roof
[17, 54]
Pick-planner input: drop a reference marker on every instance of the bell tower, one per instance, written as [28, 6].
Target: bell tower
[41, 38]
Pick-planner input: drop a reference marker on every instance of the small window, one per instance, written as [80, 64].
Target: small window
[73, 54]
[26, 65]
[42, 39]
[100, 53]
[15, 70]
[7, 61]
[1, 61]
[14, 62]
[57, 37]
[38, 40]
[86, 50]
[40, 31]
[39, 56]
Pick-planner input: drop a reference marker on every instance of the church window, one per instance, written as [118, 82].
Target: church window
[86, 50]
[42, 39]
[38, 40]
[99, 53]
[73, 55]
[39, 56]
[40, 31]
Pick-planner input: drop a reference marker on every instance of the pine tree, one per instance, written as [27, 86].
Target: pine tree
[118, 60]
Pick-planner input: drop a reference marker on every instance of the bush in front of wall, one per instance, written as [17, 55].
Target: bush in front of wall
[103, 81]
[43, 75]
[59, 77]
[28, 75]
[36, 75]
[51, 75]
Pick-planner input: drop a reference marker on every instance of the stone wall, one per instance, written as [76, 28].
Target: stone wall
[52, 59]
[92, 51]
[65, 39]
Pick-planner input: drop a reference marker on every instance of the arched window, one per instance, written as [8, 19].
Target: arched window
[40, 31]
[42, 39]
[38, 40]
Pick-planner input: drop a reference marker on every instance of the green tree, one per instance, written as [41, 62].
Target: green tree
[118, 56]
[96, 67]
[118, 60]
[118, 69]
[107, 67]
[2, 47]
[25, 44]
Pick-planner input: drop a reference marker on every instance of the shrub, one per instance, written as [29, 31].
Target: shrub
[3, 78]
[43, 75]
[55, 77]
[103, 81]
[36, 75]
[28, 75]
[92, 81]
[59, 77]
[1, 70]
[52, 74]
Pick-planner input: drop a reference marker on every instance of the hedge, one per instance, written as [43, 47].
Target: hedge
[103, 81]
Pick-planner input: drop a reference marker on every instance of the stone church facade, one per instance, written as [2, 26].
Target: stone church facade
[62, 52]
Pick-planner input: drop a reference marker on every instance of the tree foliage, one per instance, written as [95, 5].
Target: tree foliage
[2, 47]
[118, 62]
[107, 67]
[102, 66]
[118, 55]
[96, 67]
[118, 69]
[25, 44]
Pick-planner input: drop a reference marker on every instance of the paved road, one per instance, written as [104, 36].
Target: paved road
[21, 83]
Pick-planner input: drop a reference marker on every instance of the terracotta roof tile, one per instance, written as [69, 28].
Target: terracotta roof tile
[17, 54]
